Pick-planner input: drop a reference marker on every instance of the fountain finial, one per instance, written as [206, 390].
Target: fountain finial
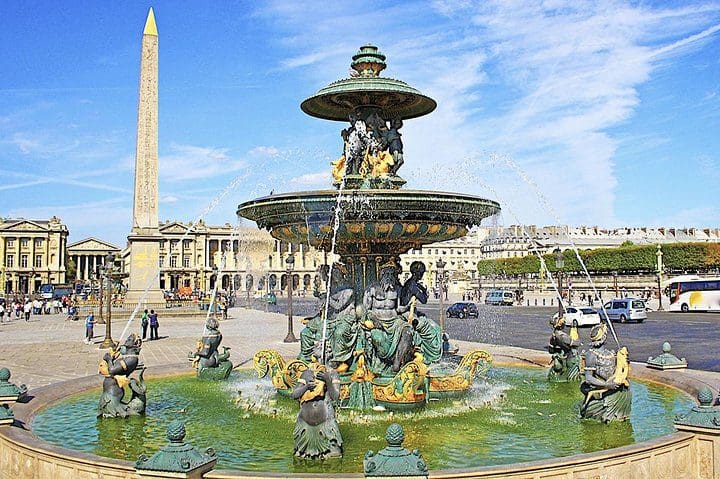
[368, 61]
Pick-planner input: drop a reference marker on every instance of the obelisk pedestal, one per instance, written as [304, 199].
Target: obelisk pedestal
[144, 240]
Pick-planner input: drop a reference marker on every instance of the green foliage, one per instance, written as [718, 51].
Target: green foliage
[627, 258]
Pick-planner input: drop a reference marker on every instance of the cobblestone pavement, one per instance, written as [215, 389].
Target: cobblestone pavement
[49, 349]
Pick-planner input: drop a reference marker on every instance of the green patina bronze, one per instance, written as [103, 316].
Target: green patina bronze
[178, 456]
[9, 392]
[370, 328]
[666, 360]
[565, 365]
[704, 415]
[395, 460]
[211, 365]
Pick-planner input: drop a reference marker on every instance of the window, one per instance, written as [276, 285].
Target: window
[173, 245]
[186, 261]
[10, 260]
[23, 242]
[186, 243]
[38, 242]
[23, 261]
[38, 261]
[161, 261]
[10, 242]
[162, 244]
[173, 261]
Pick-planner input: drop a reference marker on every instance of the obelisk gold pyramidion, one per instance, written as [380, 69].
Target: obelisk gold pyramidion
[144, 283]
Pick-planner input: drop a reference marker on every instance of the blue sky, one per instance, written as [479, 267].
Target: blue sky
[596, 113]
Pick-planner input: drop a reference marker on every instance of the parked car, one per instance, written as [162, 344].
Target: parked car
[499, 297]
[462, 310]
[270, 298]
[580, 317]
[625, 309]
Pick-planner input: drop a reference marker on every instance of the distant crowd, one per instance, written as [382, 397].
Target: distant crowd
[17, 306]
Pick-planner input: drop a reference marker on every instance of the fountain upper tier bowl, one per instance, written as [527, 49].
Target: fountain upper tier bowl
[403, 218]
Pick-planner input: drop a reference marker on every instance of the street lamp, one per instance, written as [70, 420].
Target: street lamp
[108, 342]
[615, 284]
[659, 255]
[559, 264]
[441, 286]
[290, 263]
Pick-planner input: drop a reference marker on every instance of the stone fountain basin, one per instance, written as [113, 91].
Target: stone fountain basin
[410, 218]
[674, 452]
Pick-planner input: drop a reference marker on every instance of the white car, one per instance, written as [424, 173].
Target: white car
[580, 316]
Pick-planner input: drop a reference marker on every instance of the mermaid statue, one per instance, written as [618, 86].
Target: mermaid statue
[211, 364]
[317, 434]
[565, 365]
[605, 386]
[117, 366]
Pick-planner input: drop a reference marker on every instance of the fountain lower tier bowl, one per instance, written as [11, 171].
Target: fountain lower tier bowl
[397, 219]
[514, 415]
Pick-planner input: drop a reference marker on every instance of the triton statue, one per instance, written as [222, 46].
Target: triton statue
[605, 386]
[117, 366]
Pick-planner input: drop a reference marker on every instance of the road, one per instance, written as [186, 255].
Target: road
[694, 336]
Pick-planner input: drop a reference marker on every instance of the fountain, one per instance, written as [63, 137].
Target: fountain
[370, 329]
[383, 351]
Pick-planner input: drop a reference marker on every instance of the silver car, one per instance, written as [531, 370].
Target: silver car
[624, 310]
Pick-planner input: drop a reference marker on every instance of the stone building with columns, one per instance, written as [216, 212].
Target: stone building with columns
[32, 253]
[191, 256]
[88, 255]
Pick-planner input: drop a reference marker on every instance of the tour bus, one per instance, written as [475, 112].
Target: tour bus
[50, 291]
[693, 293]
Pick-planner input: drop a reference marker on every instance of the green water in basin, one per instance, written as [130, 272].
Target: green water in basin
[514, 416]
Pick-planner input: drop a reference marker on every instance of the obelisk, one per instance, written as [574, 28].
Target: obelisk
[144, 282]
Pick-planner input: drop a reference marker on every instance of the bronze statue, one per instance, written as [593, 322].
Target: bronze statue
[391, 335]
[427, 336]
[117, 366]
[606, 388]
[317, 434]
[565, 365]
[211, 364]
[394, 144]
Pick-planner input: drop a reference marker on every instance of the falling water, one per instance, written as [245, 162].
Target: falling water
[336, 227]
[213, 204]
[513, 166]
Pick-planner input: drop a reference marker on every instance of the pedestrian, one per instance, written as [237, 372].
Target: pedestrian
[153, 325]
[144, 323]
[89, 324]
[71, 313]
[27, 309]
[2, 312]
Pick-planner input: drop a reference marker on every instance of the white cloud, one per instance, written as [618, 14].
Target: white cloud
[188, 162]
[169, 199]
[266, 151]
[321, 179]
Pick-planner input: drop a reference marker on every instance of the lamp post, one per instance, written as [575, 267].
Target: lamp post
[615, 284]
[659, 255]
[108, 342]
[441, 286]
[290, 263]
[559, 264]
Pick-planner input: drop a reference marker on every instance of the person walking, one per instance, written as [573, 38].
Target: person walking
[27, 309]
[2, 312]
[144, 323]
[89, 325]
[153, 325]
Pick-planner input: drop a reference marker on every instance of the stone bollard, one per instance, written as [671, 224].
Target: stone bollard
[9, 394]
[395, 460]
[179, 458]
[666, 360]
[703, 420]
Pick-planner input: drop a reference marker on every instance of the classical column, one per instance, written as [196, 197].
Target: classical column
[144, 282]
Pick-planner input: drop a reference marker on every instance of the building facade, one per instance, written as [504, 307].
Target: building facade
[241, 259]
[88, 255]
[32, 254]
